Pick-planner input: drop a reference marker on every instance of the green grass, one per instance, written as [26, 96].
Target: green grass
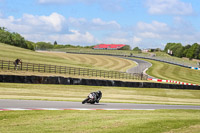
[158, 121]
[110, 94]
[167, 71]
[8, 52]
[159, 55]
[159, 69]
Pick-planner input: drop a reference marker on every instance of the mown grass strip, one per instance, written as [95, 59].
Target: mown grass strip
[166, 71]
[100, 121]
[110, 94]
[8, 52]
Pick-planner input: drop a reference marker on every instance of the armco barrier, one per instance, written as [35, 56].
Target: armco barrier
[91, 82]
[195, 68]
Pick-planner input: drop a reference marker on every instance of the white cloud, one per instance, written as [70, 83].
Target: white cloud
[154, 26]
[156, 32]
[46, 28]
[75, 38]
[94, 24]
[54, 23]
[115, 40]
[136, 40]
[149, 35]
[174, 7]
[80, 31]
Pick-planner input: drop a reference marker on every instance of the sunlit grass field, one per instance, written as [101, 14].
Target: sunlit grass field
[158, 121]
[8, 52]
[167, 71]
[158, 55]
[168, 121]
[110, 94]
[159, 70]
[96, 61]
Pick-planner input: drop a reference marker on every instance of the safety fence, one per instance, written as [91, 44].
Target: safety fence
[45, 68]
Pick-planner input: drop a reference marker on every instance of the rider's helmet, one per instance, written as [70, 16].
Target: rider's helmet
[99, 92]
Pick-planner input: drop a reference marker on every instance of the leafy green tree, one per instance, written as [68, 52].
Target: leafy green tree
[168, 46]
[58, 46]
[186, 48]
[18, 40]
[179, 52]
[5, 36]
[30, 45]
[197, 51]
[136, 49]
[176, 48]
[89, 46]
[43, 45]
[14, 39]
[193, 51]
[126, 47]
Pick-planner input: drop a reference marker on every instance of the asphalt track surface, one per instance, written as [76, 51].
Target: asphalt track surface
[141, 66]
[36, 104]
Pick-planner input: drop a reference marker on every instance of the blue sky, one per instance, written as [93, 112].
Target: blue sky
[143, 23]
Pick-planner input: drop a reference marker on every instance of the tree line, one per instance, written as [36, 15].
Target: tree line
[15, 39]
[189, 51]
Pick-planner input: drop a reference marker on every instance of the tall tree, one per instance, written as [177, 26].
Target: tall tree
[193, 51]
[55, 43]
[186, 48]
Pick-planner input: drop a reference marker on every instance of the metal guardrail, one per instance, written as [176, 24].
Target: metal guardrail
[45, 68]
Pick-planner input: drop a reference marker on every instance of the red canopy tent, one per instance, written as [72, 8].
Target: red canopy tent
[109, 46]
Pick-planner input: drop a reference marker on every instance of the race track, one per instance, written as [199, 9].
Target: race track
[141, 65]
[56, 105]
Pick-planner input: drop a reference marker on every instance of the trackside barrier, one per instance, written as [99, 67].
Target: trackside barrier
[196, 68]
[90, 82]
[171, 81]
[45, 68]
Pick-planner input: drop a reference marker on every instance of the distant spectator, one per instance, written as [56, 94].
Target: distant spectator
[17, 62]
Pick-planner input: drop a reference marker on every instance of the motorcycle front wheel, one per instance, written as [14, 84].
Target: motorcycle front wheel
[85, 101]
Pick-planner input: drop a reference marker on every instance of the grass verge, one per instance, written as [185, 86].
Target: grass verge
[110, 94]
[167, 71]
[158, 121]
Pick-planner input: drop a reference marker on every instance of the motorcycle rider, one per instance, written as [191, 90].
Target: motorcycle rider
[97, 96]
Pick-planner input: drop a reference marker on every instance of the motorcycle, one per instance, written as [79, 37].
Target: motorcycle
[91, 98]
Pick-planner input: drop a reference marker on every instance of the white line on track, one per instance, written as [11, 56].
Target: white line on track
[17, 109]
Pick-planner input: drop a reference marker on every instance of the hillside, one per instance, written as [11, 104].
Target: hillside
[8, 52]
